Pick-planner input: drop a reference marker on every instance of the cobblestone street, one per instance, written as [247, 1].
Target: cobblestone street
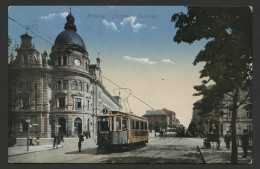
[158, 150]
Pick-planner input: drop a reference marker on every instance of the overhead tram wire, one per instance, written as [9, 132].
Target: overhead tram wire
[128, 92]
[30, 30]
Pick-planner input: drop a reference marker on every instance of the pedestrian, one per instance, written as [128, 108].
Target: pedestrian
[245, 142]
[227, 139]
[37, 140]
[61, 138]
[80, 141]
[58, 139]
[79, 145]
[155, 134]
[54, 141]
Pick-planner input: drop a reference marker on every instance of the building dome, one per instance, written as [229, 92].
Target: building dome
[69, 35]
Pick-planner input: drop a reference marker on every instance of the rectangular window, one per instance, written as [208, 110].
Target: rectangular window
[59, 85]
[124, 124]
[112, 123]
[25, 126]
[230, 110]
[118, 123]
[78, 103]
[65, 84]
[62, 102]
[104, 123]
[86, 66]
[88, 104]
[132, 124]
[26, 103]
[137, 125]
[25, 59]
[142, 125]
[28, 86]
[64, 61]
[145, 126]
[59, 60]
[87, 88]
[249, 128]
[248, 114]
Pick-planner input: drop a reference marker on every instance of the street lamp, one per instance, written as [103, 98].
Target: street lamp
[28, 121]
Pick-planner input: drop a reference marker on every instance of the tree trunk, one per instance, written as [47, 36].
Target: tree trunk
[233, 128]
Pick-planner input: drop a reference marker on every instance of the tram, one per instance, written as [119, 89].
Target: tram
[120, 129]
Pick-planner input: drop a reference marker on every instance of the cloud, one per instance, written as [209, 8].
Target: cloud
[168, 61]
[110, 25]
[64, 14]
[153, 27]
[131, 20]
[140, 60]
[53, 15]
[50, 16]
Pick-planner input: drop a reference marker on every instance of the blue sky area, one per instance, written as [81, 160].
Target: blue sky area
[133, 39]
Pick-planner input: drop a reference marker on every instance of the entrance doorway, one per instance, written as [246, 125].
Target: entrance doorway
[78, 126]
[62, 123]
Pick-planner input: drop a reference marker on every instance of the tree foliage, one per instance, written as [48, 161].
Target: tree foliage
[227, 54]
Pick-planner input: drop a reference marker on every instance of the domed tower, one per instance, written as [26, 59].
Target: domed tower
[71, 97]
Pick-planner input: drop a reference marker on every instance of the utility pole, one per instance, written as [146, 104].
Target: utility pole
[28, 121]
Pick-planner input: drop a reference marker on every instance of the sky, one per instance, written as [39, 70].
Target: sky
[136, 49]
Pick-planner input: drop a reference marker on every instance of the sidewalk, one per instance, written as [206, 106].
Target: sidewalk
[223, 155]
[17, 150]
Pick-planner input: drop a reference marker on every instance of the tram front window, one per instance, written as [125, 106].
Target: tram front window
[104, 124]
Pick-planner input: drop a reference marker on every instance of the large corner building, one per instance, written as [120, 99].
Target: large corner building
[59, 93]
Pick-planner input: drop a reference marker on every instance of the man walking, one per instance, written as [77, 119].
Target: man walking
[80, 141]
[227, 140]
[54, 142]
[245, 142]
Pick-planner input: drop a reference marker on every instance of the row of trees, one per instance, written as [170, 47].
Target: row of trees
[227, 56]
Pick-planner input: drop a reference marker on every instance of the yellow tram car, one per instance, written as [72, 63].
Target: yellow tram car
[120, 129]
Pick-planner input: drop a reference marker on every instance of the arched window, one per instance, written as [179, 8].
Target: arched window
[87, 88]
[59, 60]
[80, 86]
[59, 85]
[64, 60]
[75, 85]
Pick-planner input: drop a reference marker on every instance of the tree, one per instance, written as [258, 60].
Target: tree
[227, 54]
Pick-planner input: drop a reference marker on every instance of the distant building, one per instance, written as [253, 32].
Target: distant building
[172, 117]
[63, 94]
[158, 119]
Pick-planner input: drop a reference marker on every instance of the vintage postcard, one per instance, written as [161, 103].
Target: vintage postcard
[130, 84]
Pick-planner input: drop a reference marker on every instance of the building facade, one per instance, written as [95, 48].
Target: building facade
[158, 119]
[244, 115]
[60, 93]
[222, 124]
[173, 121]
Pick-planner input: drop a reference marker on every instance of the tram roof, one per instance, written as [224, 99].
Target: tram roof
[126, 113]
